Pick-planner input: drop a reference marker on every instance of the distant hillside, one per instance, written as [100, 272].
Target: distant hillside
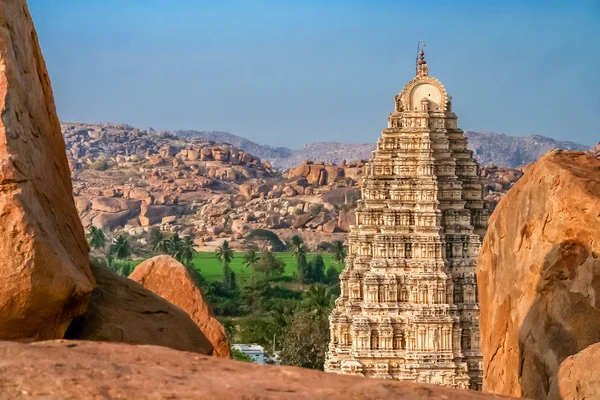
[488, 148]
[512, 151]
[264, 152]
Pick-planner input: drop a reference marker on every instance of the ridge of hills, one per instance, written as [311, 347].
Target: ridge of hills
[489, 148]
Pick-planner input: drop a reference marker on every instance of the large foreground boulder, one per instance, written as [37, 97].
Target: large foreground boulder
[45, 280]
[539, 275]
[121, 310]
[579, 376]
[169, 279]
[90, 370]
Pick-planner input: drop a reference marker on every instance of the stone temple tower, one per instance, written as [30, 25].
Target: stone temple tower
[408, 308]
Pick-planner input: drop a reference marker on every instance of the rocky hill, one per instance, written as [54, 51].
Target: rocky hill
[127, 179]
[489, 148]
[512, 151]
[275, 154]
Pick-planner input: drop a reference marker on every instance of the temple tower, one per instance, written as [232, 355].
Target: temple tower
[408, 308]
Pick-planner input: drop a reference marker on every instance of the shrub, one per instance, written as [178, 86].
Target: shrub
[99, 165]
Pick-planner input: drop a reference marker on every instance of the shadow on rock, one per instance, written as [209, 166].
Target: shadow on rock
[563, 319]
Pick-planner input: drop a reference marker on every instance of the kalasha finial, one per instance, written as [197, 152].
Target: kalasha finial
[420, 60]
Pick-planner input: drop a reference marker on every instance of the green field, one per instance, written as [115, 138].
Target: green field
[212, 269]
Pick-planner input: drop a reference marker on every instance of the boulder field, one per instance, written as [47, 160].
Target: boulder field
[69, 370]
[539, 276]
[45, 280]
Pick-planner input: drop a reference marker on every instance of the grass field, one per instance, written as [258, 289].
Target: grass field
[212, 269]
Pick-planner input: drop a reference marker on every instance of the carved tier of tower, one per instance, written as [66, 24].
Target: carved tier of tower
[408, 307]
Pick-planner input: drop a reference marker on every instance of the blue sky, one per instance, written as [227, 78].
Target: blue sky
[291, 72]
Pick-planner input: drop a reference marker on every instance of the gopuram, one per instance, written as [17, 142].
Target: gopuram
[408, 308]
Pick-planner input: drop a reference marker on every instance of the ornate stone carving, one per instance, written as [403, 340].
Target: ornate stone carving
[408, 306]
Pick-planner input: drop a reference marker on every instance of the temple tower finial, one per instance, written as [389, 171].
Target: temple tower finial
[420, 59]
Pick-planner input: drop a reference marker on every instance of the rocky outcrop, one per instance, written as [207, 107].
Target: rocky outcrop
[596, 151]
[321, 174]
[85, 370]
[539, 273]
[170, 280]
[346, 219]
[579, 376]
[121, 310]
[45, 279]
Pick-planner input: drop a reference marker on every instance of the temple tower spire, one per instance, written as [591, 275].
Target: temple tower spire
[408, 305]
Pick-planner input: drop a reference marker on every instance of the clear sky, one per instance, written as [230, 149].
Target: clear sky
[291, 72]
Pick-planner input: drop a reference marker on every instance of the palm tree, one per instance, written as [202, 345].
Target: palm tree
[318, 298]
[187, 250]
[339, 251]
[251, 258]
[299, 253]
[225, 253]
[163, 246]
[97, 238]
[298, 248]
[174, 246]
[155, 238]
[121, 247]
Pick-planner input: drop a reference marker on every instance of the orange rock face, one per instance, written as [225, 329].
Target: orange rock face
[45, 280]
[89, 370]
[579, 376]
[539, 275]
[121, 310]
[170, 280]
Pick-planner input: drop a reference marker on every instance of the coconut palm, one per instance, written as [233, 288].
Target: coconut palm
[339, 251]
[121, 247]
[298, 248]
[186, 250]
[174, 246]
[318, 298]
[251, 258]
[163, 246]
[96, 238]
[225, 253]
[155, 237]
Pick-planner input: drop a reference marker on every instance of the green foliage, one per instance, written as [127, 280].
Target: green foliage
[264, 239]
[229, 281]
[305, 340]
[339, 251]
[269, 264]
[154, 238]
[302, 268]
[121, 247]
[325, 246]
[332, 275]
[259, 330]
[318, 299]
[183, 250]
[225, 253]
[99, 165]
[239, 356]
[251, 258]
[96, 238]
[317, 270]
